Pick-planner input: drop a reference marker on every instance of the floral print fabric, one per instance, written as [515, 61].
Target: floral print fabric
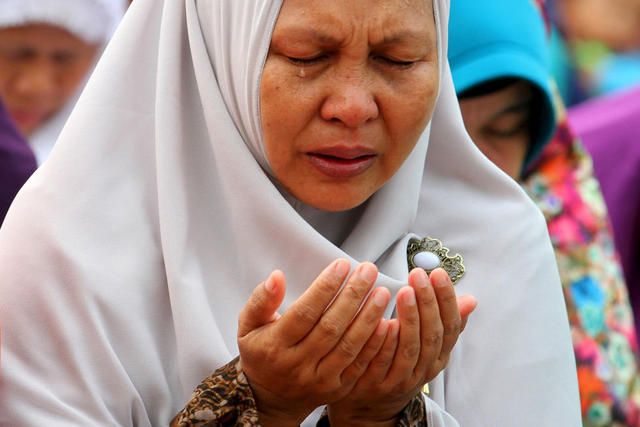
[563, 186]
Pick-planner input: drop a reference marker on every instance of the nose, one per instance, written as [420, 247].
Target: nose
[36, 82]
[351, 101]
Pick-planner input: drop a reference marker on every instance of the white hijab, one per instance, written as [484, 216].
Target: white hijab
[127, 257]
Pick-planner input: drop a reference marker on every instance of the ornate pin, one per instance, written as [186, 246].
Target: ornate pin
[429, 254]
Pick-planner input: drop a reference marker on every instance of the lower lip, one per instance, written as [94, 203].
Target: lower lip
[341, 168]
[26, 119]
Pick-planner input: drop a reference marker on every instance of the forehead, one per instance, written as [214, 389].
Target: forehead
[349, 16]
[514, 99]
[40, 35]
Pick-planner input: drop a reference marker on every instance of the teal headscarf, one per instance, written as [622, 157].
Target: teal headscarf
[490, 40]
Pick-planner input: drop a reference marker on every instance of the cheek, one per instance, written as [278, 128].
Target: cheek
[508, 154]
[472, 118]
[272, 115]
[7, 73]
[71, 77]
[285, 112]
[409, 114]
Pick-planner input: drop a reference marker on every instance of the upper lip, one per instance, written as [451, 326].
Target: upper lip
[344, 152]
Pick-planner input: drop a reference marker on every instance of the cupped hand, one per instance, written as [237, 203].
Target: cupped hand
[415, 350]
[315, 352]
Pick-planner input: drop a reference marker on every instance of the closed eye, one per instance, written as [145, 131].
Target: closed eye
[307, 61]
[21, 54]
[509, 131]
[393, 62]
[63, 58]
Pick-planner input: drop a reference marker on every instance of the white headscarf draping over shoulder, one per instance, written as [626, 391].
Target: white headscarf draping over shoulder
[127, 257]
[93, 21]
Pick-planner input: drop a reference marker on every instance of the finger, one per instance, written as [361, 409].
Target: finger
[263, 303]
[466, 304]
[449, 313]
[349, 350]
[430, 322]
[302, 316]
[409, 344]
[370, 350]
[334, 322]
[381, 363]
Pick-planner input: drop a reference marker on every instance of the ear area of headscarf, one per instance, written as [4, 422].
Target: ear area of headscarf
[237, 40]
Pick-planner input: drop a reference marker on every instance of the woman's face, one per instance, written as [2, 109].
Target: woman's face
[498, 123]
[40, 68]
[347, 89]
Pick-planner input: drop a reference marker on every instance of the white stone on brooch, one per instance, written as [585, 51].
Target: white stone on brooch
[429, 254]
[426, 260]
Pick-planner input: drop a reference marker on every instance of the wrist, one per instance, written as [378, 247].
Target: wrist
[278, 420]
[360, 420]
[273, 412]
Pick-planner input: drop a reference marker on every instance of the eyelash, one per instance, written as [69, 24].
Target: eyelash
[394, 63]
[524, 126]
[318, 59]
[307, 61]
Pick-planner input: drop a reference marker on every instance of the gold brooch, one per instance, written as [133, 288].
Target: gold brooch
[429, 254]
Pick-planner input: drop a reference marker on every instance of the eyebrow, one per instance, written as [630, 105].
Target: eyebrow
[517, 108]
[405, 35]
[327, 39]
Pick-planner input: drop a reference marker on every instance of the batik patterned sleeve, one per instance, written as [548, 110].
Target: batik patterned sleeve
[223, 399]
[415, 414]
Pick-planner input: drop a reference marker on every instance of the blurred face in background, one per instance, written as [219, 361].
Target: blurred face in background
[499, 124]
[41, 66]
[613, 22]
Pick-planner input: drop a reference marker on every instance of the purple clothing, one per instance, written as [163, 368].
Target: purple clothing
[17, 162]
[610, 130]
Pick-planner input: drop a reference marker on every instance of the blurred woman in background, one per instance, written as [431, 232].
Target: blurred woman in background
[498, 56]
[609, 126]
[47, 50]
[595, 47]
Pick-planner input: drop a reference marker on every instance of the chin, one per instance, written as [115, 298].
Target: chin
[331, 203]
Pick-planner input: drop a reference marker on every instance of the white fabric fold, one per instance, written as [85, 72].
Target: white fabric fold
[127, 257]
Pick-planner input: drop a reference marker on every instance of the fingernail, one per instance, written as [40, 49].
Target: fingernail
[341, 267]
[441, 280]
[368, 272]
[270, 283]
[422, 280]
[380, 299]
[382, 327]
[410, 298]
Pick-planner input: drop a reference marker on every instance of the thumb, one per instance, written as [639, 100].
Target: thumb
[263, 303]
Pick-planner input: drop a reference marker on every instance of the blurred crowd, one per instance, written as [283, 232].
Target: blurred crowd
[595, 47]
